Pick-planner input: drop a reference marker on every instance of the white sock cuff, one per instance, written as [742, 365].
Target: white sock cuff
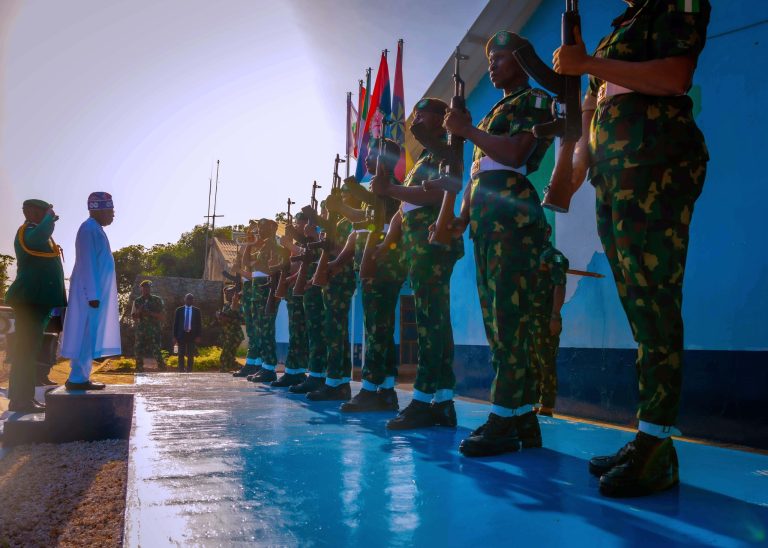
[317, 375]
[258, 361]
[418, 395]
[504, 412]
[523, 409]
[389, 382]
[368, 385]
[658, 430]
[289, 371]
[444, 394]
[334, 382]
[250, 361]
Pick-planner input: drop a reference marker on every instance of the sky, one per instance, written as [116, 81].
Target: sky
[140, 98]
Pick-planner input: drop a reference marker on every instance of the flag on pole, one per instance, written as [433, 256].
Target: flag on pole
[352, 123]
[364, 99]
[378, 111]
[397, 129]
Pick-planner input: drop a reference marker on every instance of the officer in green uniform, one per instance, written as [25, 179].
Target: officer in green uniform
[507, 225]
[647, 161]
[548, 295]
[298, 346]
[314, 315]
[337, 298]
[380, 293]
[37, 289]
[429, 270]
[148, 312]
[231, 321]
[265, 322]
[244, 269]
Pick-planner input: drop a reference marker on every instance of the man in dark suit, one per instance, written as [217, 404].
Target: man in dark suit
[187, 326]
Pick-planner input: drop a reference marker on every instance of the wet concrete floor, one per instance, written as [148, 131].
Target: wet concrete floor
[217, 461]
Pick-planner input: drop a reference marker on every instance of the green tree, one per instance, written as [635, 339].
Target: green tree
[5, 262]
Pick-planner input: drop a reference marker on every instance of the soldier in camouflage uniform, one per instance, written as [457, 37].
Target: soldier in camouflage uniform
[337, 297]
[647, 161]
[244, 268]
[429, 270]
[548, 295]
[148, 312]
[231, 321]
[298, 350]
[507, 225]
[314, 314]
[380, 293]
[265, 323]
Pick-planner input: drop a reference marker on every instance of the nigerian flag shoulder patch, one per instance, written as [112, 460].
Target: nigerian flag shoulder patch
[689, 6]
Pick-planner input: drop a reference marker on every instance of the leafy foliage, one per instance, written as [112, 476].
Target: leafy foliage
[5, 262]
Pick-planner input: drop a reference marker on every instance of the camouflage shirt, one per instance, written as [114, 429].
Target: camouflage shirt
[553, 266]
[426, 167]
[502, 198]
[634, 129]
[153, 303]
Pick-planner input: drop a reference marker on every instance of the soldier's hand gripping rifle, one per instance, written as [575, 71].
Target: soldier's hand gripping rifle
[567, 106]
[327, 245]
[452, 168]
[377, 214]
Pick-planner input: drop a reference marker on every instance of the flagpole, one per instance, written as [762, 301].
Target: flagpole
[349, 125]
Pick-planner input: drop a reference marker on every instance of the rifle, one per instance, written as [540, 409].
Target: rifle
[321, 274]
[567, 91]
[451, 169]
[281, 291]
[376, 215]
[308, 256]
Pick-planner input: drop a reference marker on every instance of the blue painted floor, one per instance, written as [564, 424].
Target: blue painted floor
[220, 461]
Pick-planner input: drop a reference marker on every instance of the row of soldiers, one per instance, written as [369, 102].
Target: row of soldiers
[319, 363]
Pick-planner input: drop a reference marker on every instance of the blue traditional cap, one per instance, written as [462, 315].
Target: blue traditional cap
[100, 200]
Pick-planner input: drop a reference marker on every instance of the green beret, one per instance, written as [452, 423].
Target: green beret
[145, 282]
[42, 204]
[301, 216]
[431, 104]
[502, 40]
[229, 288]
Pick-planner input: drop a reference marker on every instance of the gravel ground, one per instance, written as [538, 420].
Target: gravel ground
[71, 494]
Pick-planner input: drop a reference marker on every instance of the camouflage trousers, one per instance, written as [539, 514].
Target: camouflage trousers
[298, 351]
[643, 219]
[505, 264]
[429, 271]
[544, 356]
[379, 304]
[148, 343]
[337, 299]
[265, 325]
[231, 337]
[250, 326]
[314, 315]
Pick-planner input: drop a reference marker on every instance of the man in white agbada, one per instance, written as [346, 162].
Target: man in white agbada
[92, 324]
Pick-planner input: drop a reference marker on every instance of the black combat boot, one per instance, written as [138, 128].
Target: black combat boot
[498, 435]
[246, 370]
[649, 465]
[264, 375]
[310, 384]
[444, 414]
[528, 430]
[289, 379]
[368, 400]
[602, 465]
[326, 392]
[417, 414]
